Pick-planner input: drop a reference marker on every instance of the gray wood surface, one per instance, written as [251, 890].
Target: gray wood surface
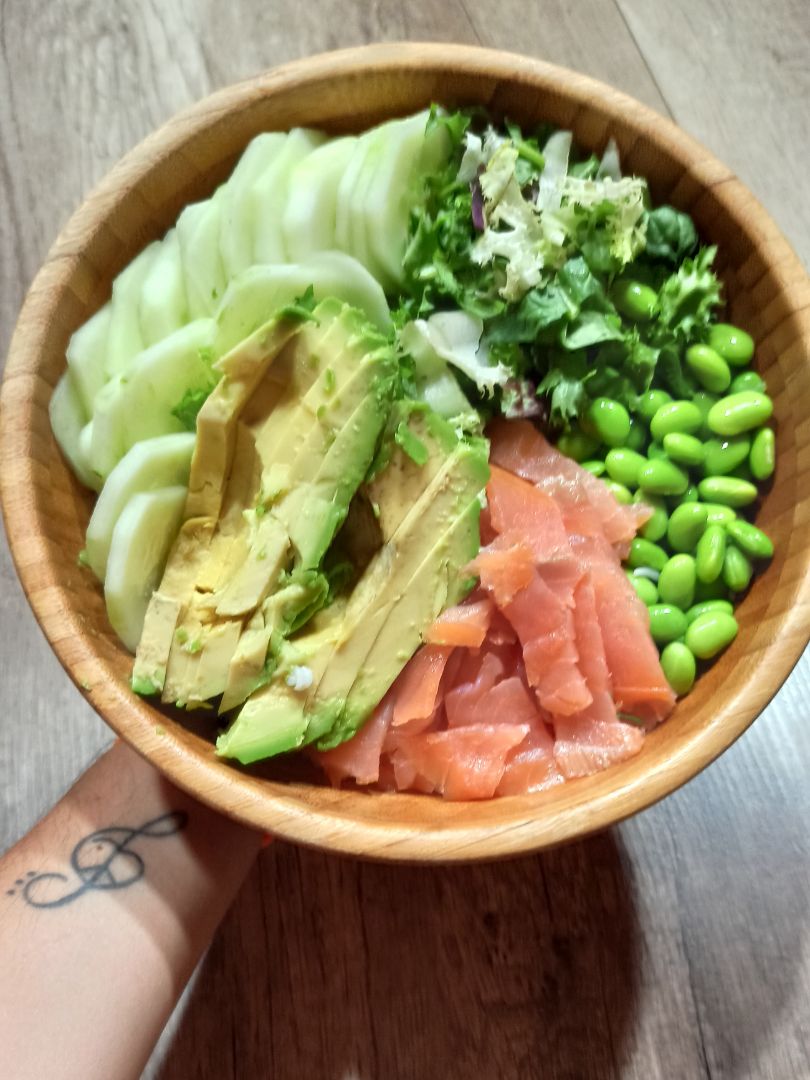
[673, 946]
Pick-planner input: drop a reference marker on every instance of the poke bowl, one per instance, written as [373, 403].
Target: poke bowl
[47, 509]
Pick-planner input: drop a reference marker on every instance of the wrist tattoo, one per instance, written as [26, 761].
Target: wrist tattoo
[103, 860]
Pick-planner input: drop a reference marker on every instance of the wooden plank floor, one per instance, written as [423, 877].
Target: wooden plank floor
[674, 946]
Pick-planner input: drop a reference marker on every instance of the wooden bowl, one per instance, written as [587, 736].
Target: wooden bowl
[46, 510]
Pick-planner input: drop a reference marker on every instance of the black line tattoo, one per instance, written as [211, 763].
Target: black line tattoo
[102, 860]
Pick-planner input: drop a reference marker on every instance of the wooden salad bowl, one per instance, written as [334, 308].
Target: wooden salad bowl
[46, 509]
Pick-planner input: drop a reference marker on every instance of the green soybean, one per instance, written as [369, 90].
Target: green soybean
[725, 455]
[728, 490]
[717, 514]
[732, 343]
[704, 402]
[684, 449]
[763, 454]
[678, 665]
[753, 541]
[748, 380]
[646, 553]
[645, 589]
[710, 553]
[680, 416]
[709, 605]
[661, 477]
[736, 413]
[691, 495]
[610, 421]
[595, 466]
[620, 493]
[577, 445]
[737, 569]
[710, 633]
[709, 368]
[650, 402]
[676, 583]
[667, 622]
[687, 523]
[655, 528]
[634, 300]
[623, 466]
[656, 452]
[637, 439]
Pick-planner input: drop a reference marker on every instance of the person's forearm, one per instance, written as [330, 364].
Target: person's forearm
[105, 908]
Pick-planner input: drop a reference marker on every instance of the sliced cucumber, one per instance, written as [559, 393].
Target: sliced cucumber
[124, 339]
[68, 418]
[149, 465]
[138, 405]
[309, 216]
[347, 237]
[198, 229]
[236, 226]
[87, 356]
[268, 195]
[395, 165]
[141, 540]
[256, 294]
[163, 307]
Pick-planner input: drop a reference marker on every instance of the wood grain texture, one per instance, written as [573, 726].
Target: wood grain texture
[711, 885]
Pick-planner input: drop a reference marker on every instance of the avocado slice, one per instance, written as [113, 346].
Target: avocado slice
[428, 540]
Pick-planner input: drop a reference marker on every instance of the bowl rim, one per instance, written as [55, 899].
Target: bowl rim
[291, 816]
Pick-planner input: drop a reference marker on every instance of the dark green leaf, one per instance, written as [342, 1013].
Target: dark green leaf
[671, 234]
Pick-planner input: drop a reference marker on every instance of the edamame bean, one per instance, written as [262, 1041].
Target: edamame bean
[709, 605]
[656, 452]
[687, 523]
[596, 467]
[634, 300]
[748, 380]
[711, 553]
[710, 633]
[667, 623]
[709, 368]
[724, 455]
[737, 569]
[645, 589]
[661, 477]
[637, 439]
[728, 490]
[620, 493]
[684, 449]
[676, 585]
[704, 402]
[623, 466]
[610, 421]
[651, 402]
[577, 445]
[763, 454]
[646, 553]
[732, 343]
[656, 526]
[678, 665]
[717, 514]
[740, 412]
[691, 495]
[680, 416]
[753, 541]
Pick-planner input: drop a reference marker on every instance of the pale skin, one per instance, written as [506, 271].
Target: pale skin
[105, 908]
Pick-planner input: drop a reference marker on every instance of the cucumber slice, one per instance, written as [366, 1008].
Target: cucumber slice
[163, 308]
[151, 464]
[86, 356]
[141, 540]
[256, 294]
[236, 226]
[138, 405]
[308, 224]
[268, 195]
[347, 237]
[198, 230]
[68, 418]
[395, 166]
[124, 339]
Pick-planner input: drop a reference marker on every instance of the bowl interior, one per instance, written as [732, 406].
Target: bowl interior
[46, 510]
